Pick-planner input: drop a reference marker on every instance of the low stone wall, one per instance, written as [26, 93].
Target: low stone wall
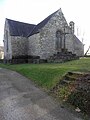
[23, 59]
[56, 58]
[62, 57]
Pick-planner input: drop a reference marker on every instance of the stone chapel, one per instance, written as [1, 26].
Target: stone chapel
[52, 40]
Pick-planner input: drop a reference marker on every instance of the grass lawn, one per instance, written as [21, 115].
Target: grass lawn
[49, 74]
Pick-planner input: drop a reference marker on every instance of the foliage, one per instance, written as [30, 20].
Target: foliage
[75, 89]
[80, 99]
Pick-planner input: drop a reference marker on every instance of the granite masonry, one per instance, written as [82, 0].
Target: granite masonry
[51, 38]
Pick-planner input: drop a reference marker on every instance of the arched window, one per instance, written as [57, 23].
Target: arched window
[59, 40]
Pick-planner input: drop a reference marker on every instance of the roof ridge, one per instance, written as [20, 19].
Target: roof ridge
[42, 23]
[19, 21]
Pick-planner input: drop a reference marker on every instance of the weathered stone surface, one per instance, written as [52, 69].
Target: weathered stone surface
[34, 46]
[7, 42]
[19, 45]
[62, 57]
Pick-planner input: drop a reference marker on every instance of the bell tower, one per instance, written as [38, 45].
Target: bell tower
[71, 24]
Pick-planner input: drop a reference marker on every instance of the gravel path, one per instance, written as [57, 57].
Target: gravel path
[20, 99]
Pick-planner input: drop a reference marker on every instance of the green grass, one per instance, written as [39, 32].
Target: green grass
[47, 75]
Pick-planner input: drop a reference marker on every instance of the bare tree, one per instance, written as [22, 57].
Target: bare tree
[87, 50]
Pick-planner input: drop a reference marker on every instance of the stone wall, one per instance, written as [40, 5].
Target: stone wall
[48, 35]
[69, 43]
[19, 46]
[7, 42]
[43, 44]
[34, 45]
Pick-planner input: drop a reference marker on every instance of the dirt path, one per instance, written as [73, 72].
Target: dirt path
[21, 100]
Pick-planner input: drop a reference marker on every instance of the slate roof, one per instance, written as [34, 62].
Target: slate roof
[41, 24]
[77, 40]
[19, 28]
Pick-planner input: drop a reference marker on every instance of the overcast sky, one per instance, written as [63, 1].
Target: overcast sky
[34, 11]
